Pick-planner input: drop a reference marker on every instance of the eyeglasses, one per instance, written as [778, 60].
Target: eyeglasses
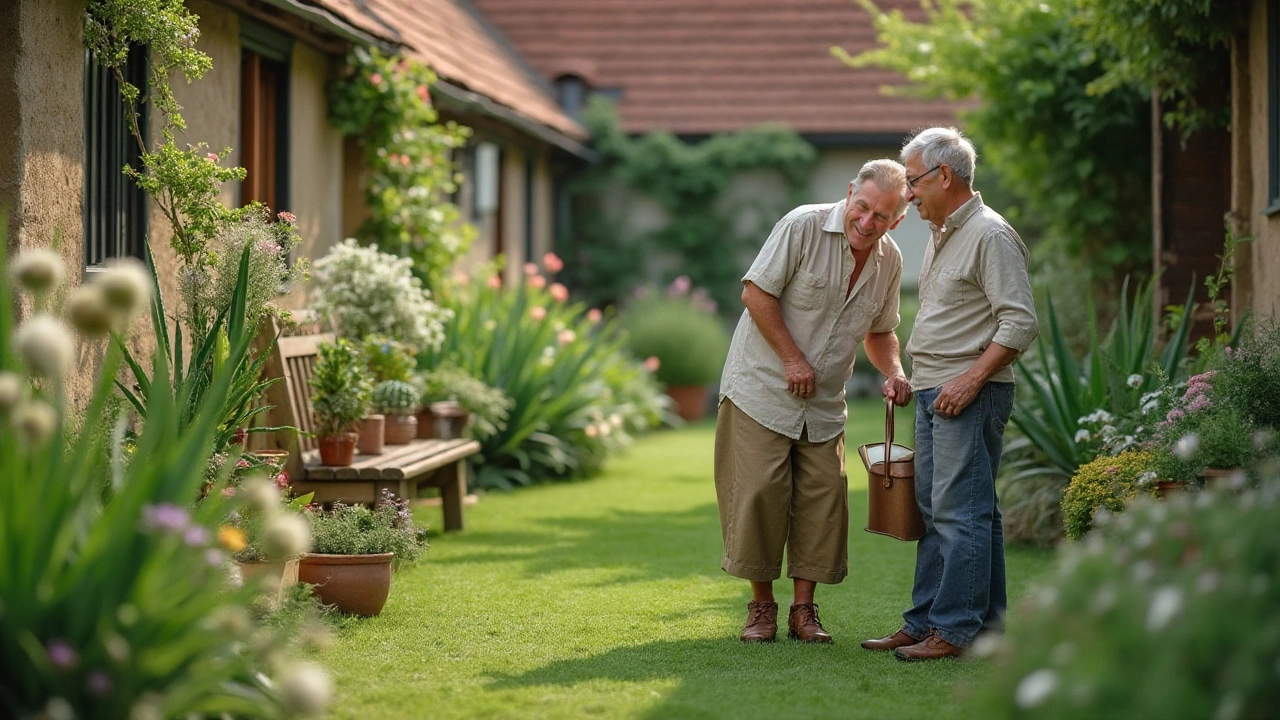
[911, 182]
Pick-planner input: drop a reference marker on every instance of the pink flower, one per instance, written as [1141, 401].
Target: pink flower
[1198, 403]
[1112, 470]
[282, 480]
[566, 336]
[679, 286]
[537, 312]
[495, 282]
[165, 517]
[1174, 415]
[286, 216]
[196, 536]
[376, 79]
[213, 157]
[552, 263]
[652, 363]
[591, 431]
[404, 160]
[62, 655]
[423, 95]
[537, 281]
[394, 158]
[462, 278]
[594, 315]
[559, 292]
[228, 492]
[530, 269]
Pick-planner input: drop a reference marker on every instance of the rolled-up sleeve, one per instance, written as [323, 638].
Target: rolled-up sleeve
[888, 318]
[778, 259]
[1007, 284]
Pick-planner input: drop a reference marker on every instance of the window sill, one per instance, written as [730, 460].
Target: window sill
[1273, 208]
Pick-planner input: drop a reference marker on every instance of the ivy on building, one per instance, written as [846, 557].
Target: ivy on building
[702, 236]
[385, 102]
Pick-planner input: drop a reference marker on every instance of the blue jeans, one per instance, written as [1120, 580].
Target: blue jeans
[959, 586]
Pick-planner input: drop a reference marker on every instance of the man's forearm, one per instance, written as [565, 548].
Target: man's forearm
[883, 351]
[766, 313]
[992, 360]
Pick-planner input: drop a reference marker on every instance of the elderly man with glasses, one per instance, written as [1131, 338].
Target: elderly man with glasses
[976, 316]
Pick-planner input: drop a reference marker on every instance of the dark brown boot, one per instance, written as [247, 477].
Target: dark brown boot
[893, 642]
[804, 625]
[762, 622]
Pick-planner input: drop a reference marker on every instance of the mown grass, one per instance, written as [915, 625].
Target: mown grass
[604, 598]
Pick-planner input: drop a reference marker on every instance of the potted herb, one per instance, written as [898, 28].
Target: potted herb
[387, 359]
[340, 397]
[398, 401]
[459, 397]
[353, 548]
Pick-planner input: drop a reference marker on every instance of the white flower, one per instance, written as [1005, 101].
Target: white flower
[1186, 446]
[1166, 603]
[46, 346]
[286, 535]
[1147, 477]
[35, 420]
[305, 689]
[1082, 435]
[261, 495]
[1036, 688]
[1134, 381]
[38, 270]
[87, 310]
[11, 391]
[126, 286]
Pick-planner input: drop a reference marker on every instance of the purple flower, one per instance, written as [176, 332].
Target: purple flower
[99, 683]
[213, 557]
[1174, 415]
[196, 536]
[1198, 403]
[62, 655]
[165, 517]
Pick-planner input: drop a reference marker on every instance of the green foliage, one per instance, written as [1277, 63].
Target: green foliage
[689, 342]
[357, 530]
[578, 395]
[384, 101]
[1078, 162]
[395, 397]
[1176, 47]
[702, 234]
[340, 387]
[489, 406]
[1168, 611]
[1248, 374]
[1200, 430]
[388, 359]
[1106, 482]
[117, 608]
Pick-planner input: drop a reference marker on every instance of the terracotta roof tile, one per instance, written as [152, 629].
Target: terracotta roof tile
[720, 65]
[464, 49]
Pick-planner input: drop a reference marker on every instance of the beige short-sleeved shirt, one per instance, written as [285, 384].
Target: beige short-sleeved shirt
[975, 289]
[806, 264]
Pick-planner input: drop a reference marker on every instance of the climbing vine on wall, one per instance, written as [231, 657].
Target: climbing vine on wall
[689, 181]
[385, 101]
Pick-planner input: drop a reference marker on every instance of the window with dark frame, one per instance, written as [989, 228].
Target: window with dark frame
[114, 210]
[264, 115]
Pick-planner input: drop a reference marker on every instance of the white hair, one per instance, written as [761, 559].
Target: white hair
[889, 176]
[943, 146]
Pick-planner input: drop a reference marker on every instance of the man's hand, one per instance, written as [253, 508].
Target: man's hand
[956, 395]
[897, 389]
[800, 378]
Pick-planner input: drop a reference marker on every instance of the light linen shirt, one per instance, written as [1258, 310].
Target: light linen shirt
[806, 264]
[975, 289]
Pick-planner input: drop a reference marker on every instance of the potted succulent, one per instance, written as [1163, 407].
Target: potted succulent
[682, 341]
[398, 401]
[386, 359]
[340, 397]
[353, 549]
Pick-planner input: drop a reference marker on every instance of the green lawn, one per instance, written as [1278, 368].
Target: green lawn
[604, 598]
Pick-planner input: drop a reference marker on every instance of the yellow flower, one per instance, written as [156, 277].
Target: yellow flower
[232, 538]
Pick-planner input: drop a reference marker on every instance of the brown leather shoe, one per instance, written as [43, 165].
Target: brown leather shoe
[893, 642]
[762, 622]
[931, 648]
[803, 624]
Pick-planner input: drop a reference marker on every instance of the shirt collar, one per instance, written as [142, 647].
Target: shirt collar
[835, 224]
[962, 214]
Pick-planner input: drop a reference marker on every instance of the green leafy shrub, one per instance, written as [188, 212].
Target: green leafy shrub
[688, 340]
[489, 406]
[388, 359]
[357, 530]
[1106, 482]
[1167, 611]
[1200, 430]
[1248, 375]
[395, 397]
[340, 387]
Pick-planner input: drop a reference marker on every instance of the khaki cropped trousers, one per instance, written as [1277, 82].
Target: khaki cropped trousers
[776, 493]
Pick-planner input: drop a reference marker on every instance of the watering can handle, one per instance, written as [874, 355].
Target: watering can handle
[888, 429]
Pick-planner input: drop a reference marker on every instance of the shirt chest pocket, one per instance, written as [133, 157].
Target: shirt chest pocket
[867, 306]
[954, 288]
[806, 290]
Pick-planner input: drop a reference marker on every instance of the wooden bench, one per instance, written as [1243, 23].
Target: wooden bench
[402, 469]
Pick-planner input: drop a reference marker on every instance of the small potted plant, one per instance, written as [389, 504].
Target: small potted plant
[398, 401]
[353, 549]
[340, 397]
[460, 399]
[386, 359]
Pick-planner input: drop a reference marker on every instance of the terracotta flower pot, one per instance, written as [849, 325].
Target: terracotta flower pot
[401, 429]
[426, 424]
[372, 428]
[356, 584]
[277, 459]
[451, 419]
[1165, 488]
[274, 577]
[337, 450]
[1221, 478]
[691, 401]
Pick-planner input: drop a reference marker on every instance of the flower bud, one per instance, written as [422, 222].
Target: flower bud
[87, 311]
[261, 495]
[35, 421]
[45, 345]
[126, 286]
[38, 270]
[286, 535]
[305, 689]
[11, 391]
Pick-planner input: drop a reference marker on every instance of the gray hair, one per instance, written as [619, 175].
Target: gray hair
[888, 175]
[943, 146]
